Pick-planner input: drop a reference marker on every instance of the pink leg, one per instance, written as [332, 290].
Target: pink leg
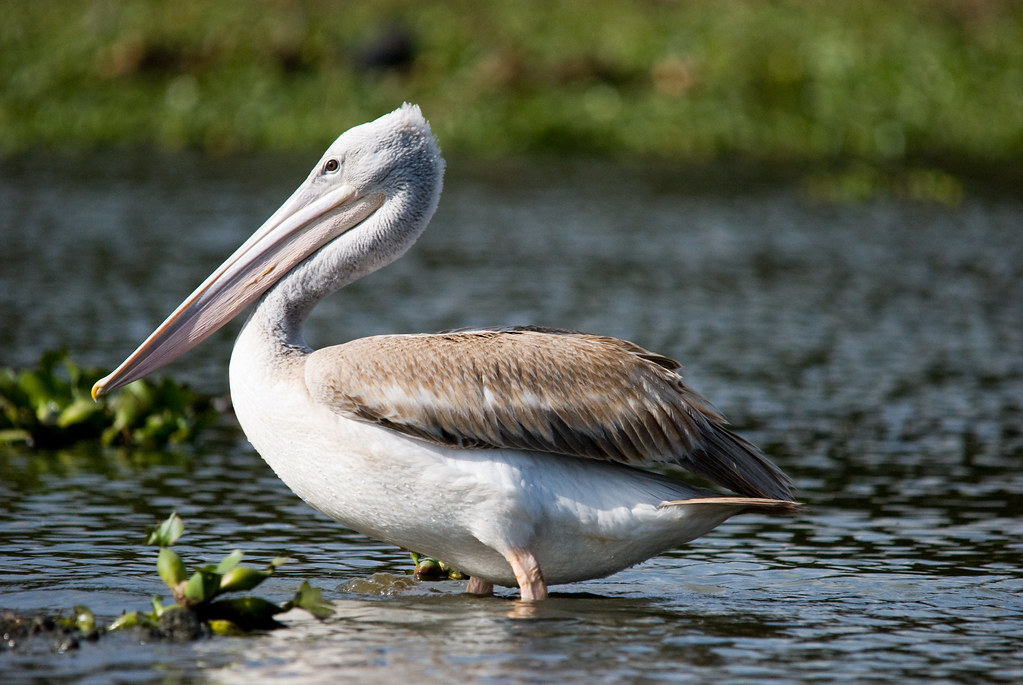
[478, 586]
[528, 574]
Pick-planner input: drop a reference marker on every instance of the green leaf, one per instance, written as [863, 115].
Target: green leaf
[202, 586]
[229, 562]
[242, 578]
[159, 608]
[13, 435]
[171, 568]
[429, 569]
[221, 626]
[125, 621]
[127, 409]
[79, 411]
[36, 387]
[109, 435]
[85, 621]
[48, 412]
[249, 613]
[433, 569]
[253, 606]
[167, 533]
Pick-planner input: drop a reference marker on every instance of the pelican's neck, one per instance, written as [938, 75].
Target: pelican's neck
[380, 239]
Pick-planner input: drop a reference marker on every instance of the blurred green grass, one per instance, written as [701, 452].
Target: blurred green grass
[882, 82]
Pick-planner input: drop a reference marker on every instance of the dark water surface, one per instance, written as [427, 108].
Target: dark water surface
[875, 352]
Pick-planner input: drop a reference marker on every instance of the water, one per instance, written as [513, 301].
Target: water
[874, 351]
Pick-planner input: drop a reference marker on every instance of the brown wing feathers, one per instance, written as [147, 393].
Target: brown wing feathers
[540, 389]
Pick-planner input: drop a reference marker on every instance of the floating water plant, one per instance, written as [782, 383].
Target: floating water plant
[64, 633]
[199, 600]
[199, 607]
[51, 406]
[428, 568]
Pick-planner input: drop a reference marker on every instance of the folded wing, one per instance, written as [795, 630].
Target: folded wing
[540, 389]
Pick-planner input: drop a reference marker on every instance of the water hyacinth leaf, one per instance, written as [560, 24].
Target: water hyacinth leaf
[278, 561]
[223, 627]
[454, 573]
[85, 621]
[79, 411]
[229, 562]
[48, 412]
[242, 578]
[195, 589]
[14, 435]
[429, 568]
[251, 606]
[211, 583]
[158, 607]
[127, 408]
[182, 430]
[171, 568]
[125, 621]
[38, 389]
[167, 533]
[202, 586]
[248, 613]
[142, 392]
[110, 435]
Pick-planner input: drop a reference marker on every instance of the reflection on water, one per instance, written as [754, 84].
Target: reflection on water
[875, 351]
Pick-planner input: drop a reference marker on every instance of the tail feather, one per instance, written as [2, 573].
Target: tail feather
[761, 505]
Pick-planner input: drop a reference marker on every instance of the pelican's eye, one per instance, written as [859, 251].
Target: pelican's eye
[331, 166]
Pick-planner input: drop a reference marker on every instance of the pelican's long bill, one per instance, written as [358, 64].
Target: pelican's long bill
[314, 215]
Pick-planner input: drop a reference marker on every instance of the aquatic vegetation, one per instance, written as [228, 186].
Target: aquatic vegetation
[65, 633]
[199, 607]
[428, 568]
[199, 604]
[51, 406]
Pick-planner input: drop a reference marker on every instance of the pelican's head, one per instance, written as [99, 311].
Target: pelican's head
[389, 169]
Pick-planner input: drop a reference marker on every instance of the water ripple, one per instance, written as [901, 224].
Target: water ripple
[876, 352]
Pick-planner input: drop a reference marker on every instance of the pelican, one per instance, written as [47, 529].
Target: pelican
[524, 456]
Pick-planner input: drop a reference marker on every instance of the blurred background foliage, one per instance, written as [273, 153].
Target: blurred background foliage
[932, 83]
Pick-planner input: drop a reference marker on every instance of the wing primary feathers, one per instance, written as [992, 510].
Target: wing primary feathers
[730, 461]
